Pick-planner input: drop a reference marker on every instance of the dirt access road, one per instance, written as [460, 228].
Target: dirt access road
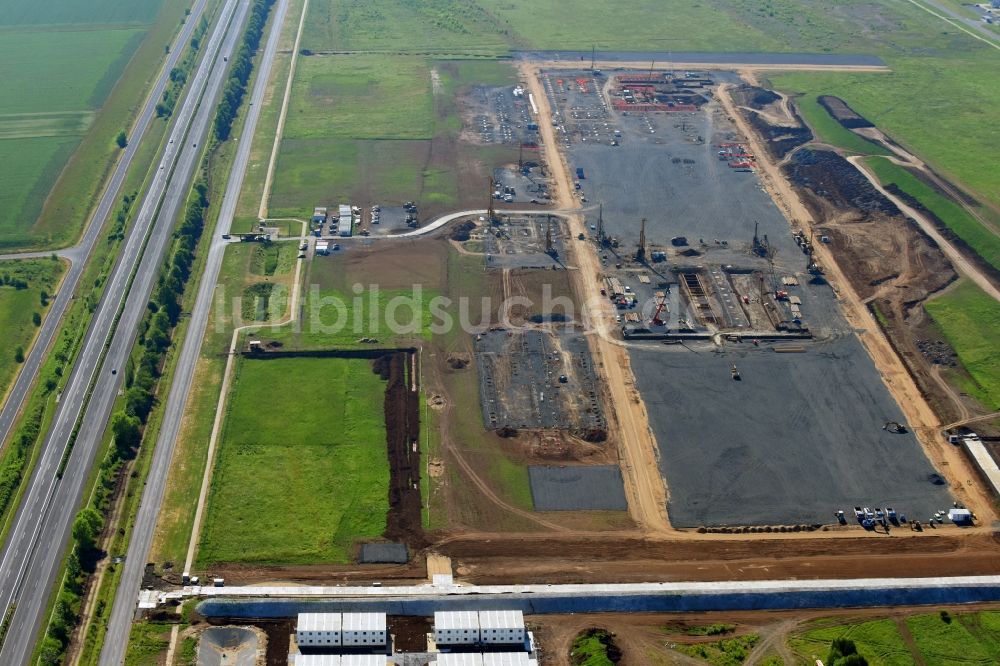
[644, 486]
[962, 479]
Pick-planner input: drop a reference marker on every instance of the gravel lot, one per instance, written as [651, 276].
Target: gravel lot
[799, 437]
[577, 488]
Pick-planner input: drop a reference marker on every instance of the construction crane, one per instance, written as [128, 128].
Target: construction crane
[656, 321]
[761, 246]
[491, 213]
[640, 254]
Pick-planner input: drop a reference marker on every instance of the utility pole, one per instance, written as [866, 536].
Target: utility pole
[491, 213]
[593, 56]
[640, 254]
[520, 155]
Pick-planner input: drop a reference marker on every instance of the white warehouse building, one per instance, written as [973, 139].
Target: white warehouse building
[341, 630]
[501, 627]
[364, 629]
[318, 630]
[340, 660]
[487, 659]
[456, 627]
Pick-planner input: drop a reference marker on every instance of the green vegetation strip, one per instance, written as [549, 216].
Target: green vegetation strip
[969, 319]
[984, 241]
[594, 647]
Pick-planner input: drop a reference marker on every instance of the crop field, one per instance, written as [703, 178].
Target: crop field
[77, 12]
[985, 242]
[298, 485]
[937, 638]
[969, 319]
[52, 95]
[22, 284]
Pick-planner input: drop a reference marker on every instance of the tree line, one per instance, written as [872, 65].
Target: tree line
[240, 69]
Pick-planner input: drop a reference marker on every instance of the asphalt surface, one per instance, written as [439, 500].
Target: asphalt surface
[33, 553]
[80, 252]
[119, 623]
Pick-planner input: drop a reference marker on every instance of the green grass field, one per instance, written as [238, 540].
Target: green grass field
[18, 305]
[969, 319]
[301, 472]
[985, 242]
[372, 129]
[432, 26]
[955, 638]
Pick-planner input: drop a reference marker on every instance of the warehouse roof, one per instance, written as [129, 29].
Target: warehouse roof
[501, 619]
[318, 622]
[506, 659]
[364, 622]
[317, 660]
[456, 620]
[460, 659]
[363, 660]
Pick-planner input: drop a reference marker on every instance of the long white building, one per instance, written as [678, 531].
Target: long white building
[364, 629]
[318, 630]
[456, 627]
[501, 627]
[341, 630]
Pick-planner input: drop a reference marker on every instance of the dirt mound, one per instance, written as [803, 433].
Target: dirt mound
[402, 429]
[830, 176]
[458, 361]
[462, 231]
[842, 113]
[780, 140]
[753, 96]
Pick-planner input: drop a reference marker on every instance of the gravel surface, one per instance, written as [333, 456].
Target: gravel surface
[577, 488]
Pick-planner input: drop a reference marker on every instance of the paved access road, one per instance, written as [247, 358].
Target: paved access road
[120, 622]
[32, 556]
[78, 254]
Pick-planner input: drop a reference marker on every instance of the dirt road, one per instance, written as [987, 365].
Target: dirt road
[644, 486]
[958, 260]
[948, 459]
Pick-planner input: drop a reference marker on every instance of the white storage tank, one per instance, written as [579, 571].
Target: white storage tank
[319, 630]
[456, 627]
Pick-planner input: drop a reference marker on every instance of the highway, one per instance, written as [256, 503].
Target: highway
[32, 556]
[120, 621]
[79, 253]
